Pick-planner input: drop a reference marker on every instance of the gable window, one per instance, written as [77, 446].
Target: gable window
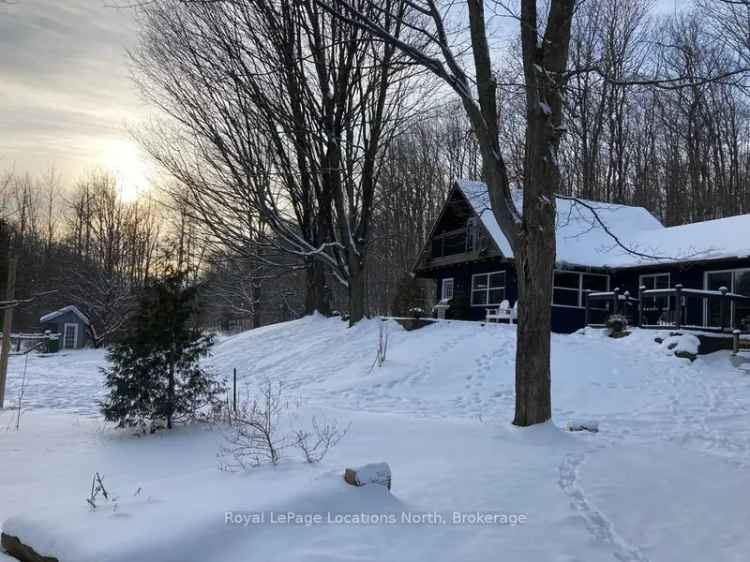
[655, 281]
[568, 287]
[488, 289]
[446, 289]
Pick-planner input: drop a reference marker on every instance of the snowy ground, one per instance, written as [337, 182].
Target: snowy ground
[666, 477]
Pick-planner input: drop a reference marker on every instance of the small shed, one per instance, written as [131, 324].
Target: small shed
[71, 324]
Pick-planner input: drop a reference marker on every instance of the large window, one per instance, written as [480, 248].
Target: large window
[568, 287]
[488, 289]
[655, 281]
[736, 281]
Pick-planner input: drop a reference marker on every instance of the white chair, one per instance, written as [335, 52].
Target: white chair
[502, 312]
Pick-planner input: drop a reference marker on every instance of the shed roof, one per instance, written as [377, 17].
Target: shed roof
[65, 310]
[582, 241]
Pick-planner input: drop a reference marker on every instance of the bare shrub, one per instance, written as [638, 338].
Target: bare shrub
[382, 351]
[256, 436]
[315, 444]
[97, 489]
[99, 494]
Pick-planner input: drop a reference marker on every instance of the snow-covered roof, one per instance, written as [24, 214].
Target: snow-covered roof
[70, 308]
[707, 240]
[582, 241]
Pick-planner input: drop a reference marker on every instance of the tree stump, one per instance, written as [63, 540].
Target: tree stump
[375, 473]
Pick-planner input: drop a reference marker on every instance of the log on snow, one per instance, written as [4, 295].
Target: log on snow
[375, 473]
[22, 552]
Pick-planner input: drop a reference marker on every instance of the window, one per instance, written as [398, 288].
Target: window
[655, 281]
[446, 289]
[488, 289]
[568, 287]
[736, 281]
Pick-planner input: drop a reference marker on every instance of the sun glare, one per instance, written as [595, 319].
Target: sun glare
[124, 159]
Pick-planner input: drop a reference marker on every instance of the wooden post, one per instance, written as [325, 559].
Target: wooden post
[678, 305]
[586, 306]
[10, 294]
[626, 305]
[723, 308]
[640, 305]
[616, 300]
[234, 390]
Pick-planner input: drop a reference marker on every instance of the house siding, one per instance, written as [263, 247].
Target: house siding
[570, 319]
[461, 275]
[487, 257]
[690, 275]
[564, 319]
[57, 326]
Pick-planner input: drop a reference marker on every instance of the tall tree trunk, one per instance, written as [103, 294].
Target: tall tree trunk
[535, 263]
[171, 391]
[357, 289]
[544, 64]
[257, 304]
[316, 295]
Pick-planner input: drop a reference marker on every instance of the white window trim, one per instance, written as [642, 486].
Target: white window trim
[579, 290]
[75, 336]
[443, 286]
[731, 290]
[652, 275]
[487, 290]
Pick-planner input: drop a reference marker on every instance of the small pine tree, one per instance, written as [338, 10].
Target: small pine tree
[155, 377]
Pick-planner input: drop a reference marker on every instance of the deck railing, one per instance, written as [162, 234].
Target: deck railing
[623, 303]
[618, 302]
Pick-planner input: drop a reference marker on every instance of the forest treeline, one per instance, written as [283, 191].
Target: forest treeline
[309, 160]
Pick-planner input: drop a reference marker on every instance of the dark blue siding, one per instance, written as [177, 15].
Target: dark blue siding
[689, 275]
[570, 319]
[57, 326]
[564, 319]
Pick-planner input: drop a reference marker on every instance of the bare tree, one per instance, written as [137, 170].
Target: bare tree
[531, 232]
[115, 245]
[282, 113]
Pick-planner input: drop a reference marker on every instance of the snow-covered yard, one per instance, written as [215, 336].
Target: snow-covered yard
[665, 478]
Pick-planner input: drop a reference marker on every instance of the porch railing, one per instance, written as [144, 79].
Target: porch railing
[616, 301]
[623, 303]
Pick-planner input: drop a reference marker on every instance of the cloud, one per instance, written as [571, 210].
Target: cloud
[65, 91]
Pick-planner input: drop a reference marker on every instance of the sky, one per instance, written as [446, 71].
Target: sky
[66, 98]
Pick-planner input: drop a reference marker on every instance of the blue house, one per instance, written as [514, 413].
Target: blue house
[609, 258]
[71, 324]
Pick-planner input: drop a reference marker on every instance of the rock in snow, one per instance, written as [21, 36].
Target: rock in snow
[684, 346]
[591, 426]
[375, 473]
